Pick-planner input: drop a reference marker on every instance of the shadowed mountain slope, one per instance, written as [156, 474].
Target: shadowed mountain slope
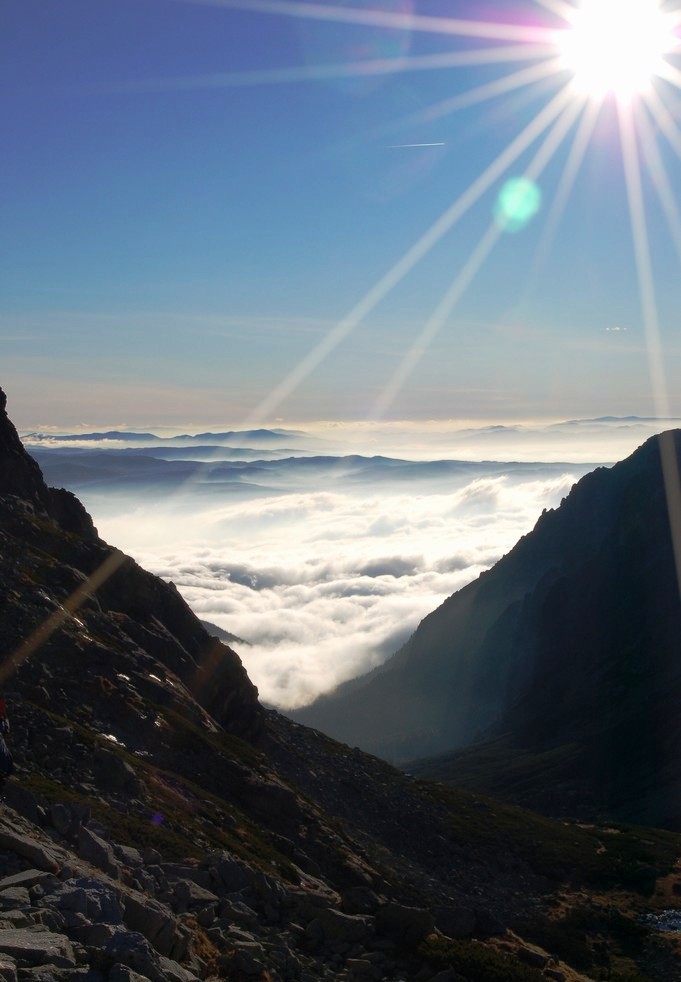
[566, 653]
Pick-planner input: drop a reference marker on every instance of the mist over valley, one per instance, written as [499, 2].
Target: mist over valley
[324, 562]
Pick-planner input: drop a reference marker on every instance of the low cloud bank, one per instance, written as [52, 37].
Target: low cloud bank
[325, 585]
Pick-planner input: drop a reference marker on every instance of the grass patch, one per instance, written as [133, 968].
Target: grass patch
[588, 936]
[476, 962]
[624, 856]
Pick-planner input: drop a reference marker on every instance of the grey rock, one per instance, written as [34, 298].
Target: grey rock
[248, 957]
[537, 959]
[97, 851]
[128, 855]
[230, 875]
[22, 845]
[14, 897]
[29, 878]
[180, 871]
[122, 973]
[37, 948]
[93, 935]
[16, 919]
[93, 899]
[8, 969]
[238, 911]
[190, 896]
[132, 949]
[175, 972]
[157, 924]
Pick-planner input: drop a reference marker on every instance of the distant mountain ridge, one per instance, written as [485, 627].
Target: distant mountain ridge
[563, 659]
[127, 436]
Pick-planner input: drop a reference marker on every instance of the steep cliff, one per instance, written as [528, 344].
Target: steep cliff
[566, 649]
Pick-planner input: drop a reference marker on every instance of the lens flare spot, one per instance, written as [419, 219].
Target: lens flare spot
[157, 818]
[518, 202]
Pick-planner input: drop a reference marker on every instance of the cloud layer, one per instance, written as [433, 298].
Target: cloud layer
[326, 584]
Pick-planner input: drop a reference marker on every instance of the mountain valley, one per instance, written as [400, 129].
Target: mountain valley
[162, 825]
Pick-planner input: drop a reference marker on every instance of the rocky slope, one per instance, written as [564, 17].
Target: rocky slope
[161, 825]
[562, 659]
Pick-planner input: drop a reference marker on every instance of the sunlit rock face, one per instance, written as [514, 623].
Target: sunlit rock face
[558, 669]
[74, 609]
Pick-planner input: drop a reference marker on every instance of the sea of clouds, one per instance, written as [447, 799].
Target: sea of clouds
[325, 567]
[326, 584]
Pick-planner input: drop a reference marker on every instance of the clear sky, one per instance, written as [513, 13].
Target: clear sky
[197, 195]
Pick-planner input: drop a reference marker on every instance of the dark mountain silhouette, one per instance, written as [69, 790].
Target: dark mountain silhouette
[565, 655]
[162, 826]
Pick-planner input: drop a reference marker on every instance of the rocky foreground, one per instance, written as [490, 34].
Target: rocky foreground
[162, 825]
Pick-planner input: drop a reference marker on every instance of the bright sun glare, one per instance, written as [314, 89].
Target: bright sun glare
[616, 46]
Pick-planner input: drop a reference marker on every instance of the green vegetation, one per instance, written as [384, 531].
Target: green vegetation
[182, 819]
[624, 856]
[476, 961]
[588, 935]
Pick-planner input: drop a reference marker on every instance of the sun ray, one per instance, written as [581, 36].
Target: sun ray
[347, 69]
[580, 145]
[446, 26]
[670, 73]
[472, 97]
[472, 266]
[660, 177]
[665, 121]
[644, 269]
[484, 93]
[67, 610]
[411, 258]
[561, 8]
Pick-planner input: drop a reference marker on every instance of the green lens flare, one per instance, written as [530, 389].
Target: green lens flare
[518, 202]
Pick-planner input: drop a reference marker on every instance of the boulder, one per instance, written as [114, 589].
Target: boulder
[8, 969]
[28, 878]
[14, 897]
[132, 949]
[96, 901]
[42, 857]
[98, 852]
[37, 948]
[190, 896]
[230, 875]
[156, 924]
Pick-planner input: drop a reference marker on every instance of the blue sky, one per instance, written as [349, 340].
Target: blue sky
[176, 243]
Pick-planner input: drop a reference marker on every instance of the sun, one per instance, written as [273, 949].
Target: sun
[616, 46]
